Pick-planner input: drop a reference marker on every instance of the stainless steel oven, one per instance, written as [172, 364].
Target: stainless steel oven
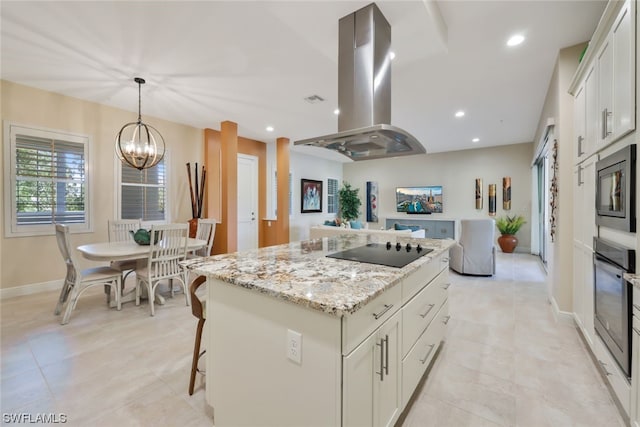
[613, 298]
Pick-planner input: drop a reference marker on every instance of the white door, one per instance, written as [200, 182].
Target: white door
[247, 202]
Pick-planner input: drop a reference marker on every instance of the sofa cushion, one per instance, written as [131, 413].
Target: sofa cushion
[356, 225]
[397, 226]
[331, 223]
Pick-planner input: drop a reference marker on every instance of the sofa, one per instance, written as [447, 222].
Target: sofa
[320, 231]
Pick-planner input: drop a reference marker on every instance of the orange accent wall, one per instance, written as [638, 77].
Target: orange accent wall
[282, 224]
[221, 157]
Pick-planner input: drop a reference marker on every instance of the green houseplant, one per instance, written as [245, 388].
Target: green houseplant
[508, 226]
[349, 202]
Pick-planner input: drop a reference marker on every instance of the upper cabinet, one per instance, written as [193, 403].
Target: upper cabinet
[604, 84]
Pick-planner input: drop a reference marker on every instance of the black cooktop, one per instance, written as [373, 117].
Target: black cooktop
[383, 254]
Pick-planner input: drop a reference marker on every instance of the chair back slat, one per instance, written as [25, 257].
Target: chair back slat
[206, 231]
[167, 248]
[119, 229]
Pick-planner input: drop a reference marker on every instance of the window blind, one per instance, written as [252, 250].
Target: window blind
[50, 181]
[143, 193]
[332, 195]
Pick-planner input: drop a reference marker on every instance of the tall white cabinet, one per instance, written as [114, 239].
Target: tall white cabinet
[604, 90]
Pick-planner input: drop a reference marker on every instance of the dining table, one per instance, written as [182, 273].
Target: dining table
[128, 250]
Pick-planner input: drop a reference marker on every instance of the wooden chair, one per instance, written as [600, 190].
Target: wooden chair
[76, 282]
[198, 310]
[168, 247]
[119, 232]
[206, 231]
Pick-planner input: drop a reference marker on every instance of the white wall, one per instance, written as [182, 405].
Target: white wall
[456, 171]
[308, 167]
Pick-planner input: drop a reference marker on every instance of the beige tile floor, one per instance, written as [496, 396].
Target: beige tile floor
[506, 362]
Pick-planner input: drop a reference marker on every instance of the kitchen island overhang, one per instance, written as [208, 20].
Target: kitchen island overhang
[256, 299]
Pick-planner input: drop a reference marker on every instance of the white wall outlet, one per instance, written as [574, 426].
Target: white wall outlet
[294, 346]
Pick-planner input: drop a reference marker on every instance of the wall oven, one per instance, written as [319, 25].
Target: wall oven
[615, 190]
[613, 298]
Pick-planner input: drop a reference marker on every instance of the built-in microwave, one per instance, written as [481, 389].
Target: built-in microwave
[615, 190]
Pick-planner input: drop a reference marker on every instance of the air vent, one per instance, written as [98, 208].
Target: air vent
[314, 99]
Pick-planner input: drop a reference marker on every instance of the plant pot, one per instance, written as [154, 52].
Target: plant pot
[508, 243]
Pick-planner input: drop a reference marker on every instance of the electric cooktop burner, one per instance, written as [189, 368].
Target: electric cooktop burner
[383, 254]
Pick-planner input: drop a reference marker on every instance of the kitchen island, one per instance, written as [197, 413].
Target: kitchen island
[294, 337]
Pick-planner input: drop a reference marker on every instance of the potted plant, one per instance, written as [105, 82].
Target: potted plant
[508, 227]
[349, 202]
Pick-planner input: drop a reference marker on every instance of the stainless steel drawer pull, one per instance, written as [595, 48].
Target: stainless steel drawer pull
[580, 152]
[426, 356]
[386, 308]
[636, 331]
[446, 286]
[423, 315]
[446, 319]
[636, 306]
[445, 259]
[386, 354]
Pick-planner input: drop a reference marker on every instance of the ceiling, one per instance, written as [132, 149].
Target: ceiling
[254, 63]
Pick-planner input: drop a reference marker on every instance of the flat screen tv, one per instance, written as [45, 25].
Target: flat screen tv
[419, 200]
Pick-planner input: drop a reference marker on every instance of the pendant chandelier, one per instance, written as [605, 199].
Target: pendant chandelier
[138, 144]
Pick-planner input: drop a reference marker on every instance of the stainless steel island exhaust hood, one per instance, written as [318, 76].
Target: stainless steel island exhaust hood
[364, 92]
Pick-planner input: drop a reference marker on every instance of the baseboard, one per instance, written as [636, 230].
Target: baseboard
[561, 316]
[30, 289]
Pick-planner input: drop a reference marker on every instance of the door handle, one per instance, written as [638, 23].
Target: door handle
[381, 373]
[424, 359]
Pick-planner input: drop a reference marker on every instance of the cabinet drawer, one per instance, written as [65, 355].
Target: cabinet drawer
[358, 326]
[414, 282]
[421, 310]
[636, 300]
[614, 375]
[419, 358]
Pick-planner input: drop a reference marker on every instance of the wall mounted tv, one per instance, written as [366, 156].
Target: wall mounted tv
[419, 200]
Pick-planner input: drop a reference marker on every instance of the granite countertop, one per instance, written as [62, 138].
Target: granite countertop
[632, 278]
[300, 272]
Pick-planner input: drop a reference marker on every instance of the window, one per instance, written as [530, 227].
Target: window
[332, 195]
[46, 180]
[143, 194]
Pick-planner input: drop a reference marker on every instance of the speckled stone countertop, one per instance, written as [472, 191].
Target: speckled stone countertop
[632, 278]
[300, 272]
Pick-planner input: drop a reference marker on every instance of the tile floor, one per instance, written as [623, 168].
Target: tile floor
[506, 361]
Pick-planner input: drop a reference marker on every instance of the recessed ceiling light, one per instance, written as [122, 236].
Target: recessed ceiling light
[460, 113]
[392, 55]
[269, 128]
[475, 140]
[515, 40]
[336, 111]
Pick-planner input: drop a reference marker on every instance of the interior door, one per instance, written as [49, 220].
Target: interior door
[247, 202]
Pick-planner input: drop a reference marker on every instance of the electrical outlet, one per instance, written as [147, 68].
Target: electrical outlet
[294, 346]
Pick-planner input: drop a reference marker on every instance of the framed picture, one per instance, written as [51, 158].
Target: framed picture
[310, 196]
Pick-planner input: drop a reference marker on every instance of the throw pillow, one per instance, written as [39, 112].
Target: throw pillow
[414, 227]
[330, 223]
[400, 226]
[356, 225]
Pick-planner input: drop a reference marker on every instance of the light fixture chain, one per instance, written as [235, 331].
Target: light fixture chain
[139, 102]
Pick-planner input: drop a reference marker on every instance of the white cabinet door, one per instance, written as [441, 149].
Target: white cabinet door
[591, 111]
[605, 93]
[578, 202]
[616, 78]
[578, 288]
[580, 130]
[635, 366]
[588, 208]
[371, 378]
[623, 40]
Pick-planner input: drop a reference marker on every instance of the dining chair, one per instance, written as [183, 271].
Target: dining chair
[198, 309]
[167, 248]
[119, 231]
[206, 231]
[76, 282]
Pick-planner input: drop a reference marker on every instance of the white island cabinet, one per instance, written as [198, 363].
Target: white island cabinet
[296, 338]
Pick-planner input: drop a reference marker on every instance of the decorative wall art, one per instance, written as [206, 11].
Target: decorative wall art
[310, 196]
[506, 193]
[553, 196]
[492, 199]
[372, 201]
[478, 193]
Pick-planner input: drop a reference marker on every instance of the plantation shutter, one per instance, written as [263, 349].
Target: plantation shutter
[50, 181]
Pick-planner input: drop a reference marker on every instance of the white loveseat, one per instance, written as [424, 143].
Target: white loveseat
[320, 231]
